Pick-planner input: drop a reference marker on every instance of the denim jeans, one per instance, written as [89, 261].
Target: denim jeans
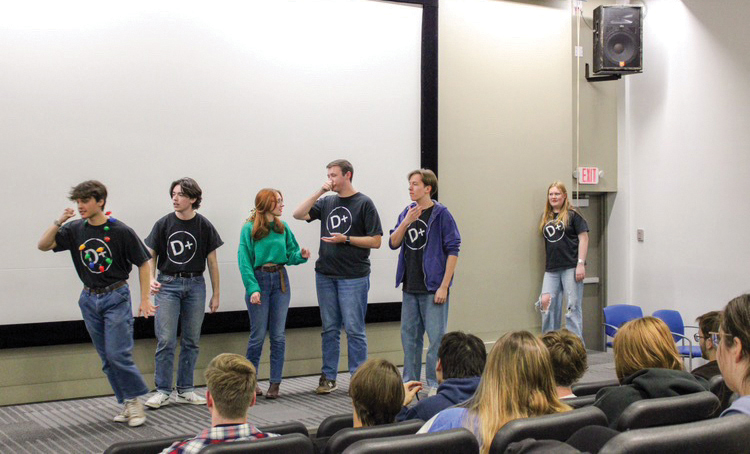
[419, 313]
[109, 321]
[343, 302]
[269, 315]
[555, 283]
[183, 300]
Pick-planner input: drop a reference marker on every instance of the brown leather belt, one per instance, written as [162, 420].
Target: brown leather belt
[107, 289]
[276, 269]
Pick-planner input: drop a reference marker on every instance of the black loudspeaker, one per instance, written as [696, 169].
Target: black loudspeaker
[618, 40]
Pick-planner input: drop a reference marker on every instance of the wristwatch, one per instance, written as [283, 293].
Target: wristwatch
[57, 223]
[581, 262]
[348, 240]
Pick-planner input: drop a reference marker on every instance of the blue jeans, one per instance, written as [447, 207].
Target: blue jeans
[419, 313]
[269, 315]
[181, 299]
[555, 283]
[109, 321]
[343, 302]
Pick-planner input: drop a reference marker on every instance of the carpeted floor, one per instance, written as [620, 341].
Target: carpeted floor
[85, 425]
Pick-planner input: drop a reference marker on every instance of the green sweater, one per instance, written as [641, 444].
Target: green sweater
[278, 248]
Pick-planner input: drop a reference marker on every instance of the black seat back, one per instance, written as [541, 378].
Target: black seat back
[580, 401]
[345, 437]
[664, 411]
[292, 443]
[591, 388]
[286, 428]
[727, 435]
[333, 424]
[456, 441]
[558, 426]
[152, 446]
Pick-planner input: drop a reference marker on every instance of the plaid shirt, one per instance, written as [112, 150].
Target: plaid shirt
[216, 435]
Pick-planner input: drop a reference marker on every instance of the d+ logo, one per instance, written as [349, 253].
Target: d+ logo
[416, 235]
[181, 247]
[554, 231]
[339, 221]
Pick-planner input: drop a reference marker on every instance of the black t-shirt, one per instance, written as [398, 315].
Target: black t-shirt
[182, 246]
[102, 254]
[353, 216]
[415, 240]
[561, 243]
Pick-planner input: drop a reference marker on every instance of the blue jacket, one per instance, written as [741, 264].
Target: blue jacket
[443, 240]
[451, 392]
[741, 405]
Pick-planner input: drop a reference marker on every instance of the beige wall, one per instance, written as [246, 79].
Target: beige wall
[505, 132]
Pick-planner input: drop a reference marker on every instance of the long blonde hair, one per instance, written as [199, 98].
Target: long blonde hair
[644, 343]
[265, 202]
[517, 382]
[565, 209]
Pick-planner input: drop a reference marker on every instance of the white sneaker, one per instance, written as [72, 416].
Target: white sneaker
[190, 398]
[123, 416]
[158, 400]
[136, 414]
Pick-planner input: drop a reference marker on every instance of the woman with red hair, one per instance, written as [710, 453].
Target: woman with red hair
[267, 245]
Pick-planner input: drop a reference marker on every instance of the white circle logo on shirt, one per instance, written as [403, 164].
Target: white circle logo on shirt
[339, 221]
[181, 247]
[416, 235]
[554, 231]
[96, 256]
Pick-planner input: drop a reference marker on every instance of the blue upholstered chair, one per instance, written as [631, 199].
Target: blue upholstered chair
[673, 319]
[617, 315]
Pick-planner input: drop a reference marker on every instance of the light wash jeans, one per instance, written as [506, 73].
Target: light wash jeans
[269, 315]
[419, 313]
[555, 283]
[183, 300]
[343, 302]
[109, 321]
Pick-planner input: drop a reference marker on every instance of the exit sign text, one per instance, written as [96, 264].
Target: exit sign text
[588, 175]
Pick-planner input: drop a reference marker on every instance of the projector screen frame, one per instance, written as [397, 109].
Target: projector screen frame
[74, 332]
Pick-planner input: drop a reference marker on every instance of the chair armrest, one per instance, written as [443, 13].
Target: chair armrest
[684, 338]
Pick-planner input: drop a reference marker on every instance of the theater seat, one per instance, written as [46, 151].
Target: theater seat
[152, 446]
[582, 401]
[558, 426]
[727, 435]
[346, 437]
[663, 411]
[333, 424]
[286, 428]
[293, 443]
[456, 441]
[591, 388]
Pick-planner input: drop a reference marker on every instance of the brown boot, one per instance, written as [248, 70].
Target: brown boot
[258, 391]
[273, 391]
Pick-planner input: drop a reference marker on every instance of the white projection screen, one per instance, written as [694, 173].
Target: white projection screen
[239, 95]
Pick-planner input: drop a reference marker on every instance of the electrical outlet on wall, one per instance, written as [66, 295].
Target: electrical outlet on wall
[639, 235]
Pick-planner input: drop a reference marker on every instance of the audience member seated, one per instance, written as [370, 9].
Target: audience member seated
[709, 323]
[517, 382]
[569, 361]
[648, 366]
[733, 352]
[377, 394]
[230, 381]
[461, 359]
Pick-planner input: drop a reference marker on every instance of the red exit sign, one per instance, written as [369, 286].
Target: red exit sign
[588, 175]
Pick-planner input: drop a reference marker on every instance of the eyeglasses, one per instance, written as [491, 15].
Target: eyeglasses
[698, 337]
[716, 337]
